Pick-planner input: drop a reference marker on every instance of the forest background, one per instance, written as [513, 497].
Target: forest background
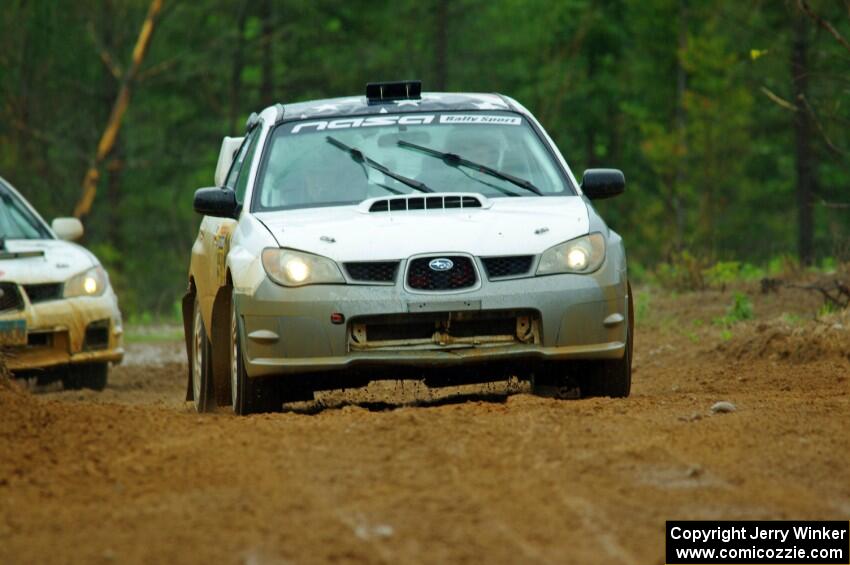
[729, 118]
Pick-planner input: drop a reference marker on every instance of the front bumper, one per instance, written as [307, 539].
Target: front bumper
[67, 331]
[289, 330]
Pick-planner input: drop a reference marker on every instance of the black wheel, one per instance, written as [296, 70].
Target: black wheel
[86, 375]
[249, 396]
[611, 377]
[203, 394]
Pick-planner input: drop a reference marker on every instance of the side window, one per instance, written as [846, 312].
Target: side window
[242, 181]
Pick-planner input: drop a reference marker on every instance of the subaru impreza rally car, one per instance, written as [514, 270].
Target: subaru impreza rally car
[402, 234]
[59, 318]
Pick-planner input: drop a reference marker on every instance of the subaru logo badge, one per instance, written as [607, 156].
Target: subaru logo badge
[441, 264]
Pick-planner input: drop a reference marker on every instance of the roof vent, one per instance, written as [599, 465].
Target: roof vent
[377, 92]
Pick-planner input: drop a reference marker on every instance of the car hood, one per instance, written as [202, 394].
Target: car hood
[28, 261]
[504, 226]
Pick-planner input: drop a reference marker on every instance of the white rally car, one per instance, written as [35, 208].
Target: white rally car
[59, 317]
[436, 236]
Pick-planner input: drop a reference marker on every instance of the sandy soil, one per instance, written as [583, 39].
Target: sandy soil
[398, 473]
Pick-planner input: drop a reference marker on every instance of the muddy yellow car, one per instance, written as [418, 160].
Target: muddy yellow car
[434, 236]
[59, 318]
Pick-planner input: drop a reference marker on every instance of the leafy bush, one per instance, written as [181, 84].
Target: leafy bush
[740, 310]
[682, 272]
[642, 299]
[685, 272]
[722, 273]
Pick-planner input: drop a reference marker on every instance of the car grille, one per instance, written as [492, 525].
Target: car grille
[511, 266]
[10, 297]
[372, 271]
[43, 292]
[421, 277]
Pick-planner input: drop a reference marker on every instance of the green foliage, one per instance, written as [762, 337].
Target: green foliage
[642, 304]
[638, 273]
[742, 307]
[783, 265]
[826, 309]
[740, 310]
[682, 272]
[791, 319]
[828, 265]
[724, 273]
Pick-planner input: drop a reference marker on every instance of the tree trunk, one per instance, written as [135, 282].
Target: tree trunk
[681, 125]
[267, 95]
[24, 94]
[115, 165]
[236, 70]
[441, 44]
[119, 108]
[805, 159]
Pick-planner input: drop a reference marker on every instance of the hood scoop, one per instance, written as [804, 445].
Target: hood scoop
[412, 203]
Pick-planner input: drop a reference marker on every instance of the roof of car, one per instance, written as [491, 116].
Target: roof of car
[429, 102]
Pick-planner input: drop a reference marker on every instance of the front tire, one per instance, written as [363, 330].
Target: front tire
[249, 396]
[612, 377]
[606, 377]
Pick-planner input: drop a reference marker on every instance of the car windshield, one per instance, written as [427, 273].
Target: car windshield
[16, 221]
[341, 161]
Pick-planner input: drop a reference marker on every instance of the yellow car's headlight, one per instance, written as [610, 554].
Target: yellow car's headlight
[88, 283]
[584, 254]
[296, 268]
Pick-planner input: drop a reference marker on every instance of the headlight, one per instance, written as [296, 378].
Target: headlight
[295, 268]
[581, 255]
[88, 283]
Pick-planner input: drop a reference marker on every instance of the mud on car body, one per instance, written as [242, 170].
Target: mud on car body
[402, 235]
[59, 318]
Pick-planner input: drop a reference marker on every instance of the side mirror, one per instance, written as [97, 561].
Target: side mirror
[603, 183]
[217, 202]
[69, 229]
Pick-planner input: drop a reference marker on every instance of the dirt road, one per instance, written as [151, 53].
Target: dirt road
[398, 474]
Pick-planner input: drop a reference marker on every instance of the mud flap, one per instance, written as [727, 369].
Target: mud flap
[631, 310]
[220, 338]
[188, 312]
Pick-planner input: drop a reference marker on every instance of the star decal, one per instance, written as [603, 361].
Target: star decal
[325, 108]
[489, 103]
[488, 106]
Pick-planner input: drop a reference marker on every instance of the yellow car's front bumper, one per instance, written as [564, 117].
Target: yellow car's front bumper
[67, 331]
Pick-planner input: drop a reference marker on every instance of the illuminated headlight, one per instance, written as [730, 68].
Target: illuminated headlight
[88, 283]
[295, 268]
[581, 255]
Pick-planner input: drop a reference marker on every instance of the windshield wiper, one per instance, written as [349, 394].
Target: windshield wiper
[454, 160]
[359, 157]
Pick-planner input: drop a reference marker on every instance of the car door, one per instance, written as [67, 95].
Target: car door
[214, 234]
